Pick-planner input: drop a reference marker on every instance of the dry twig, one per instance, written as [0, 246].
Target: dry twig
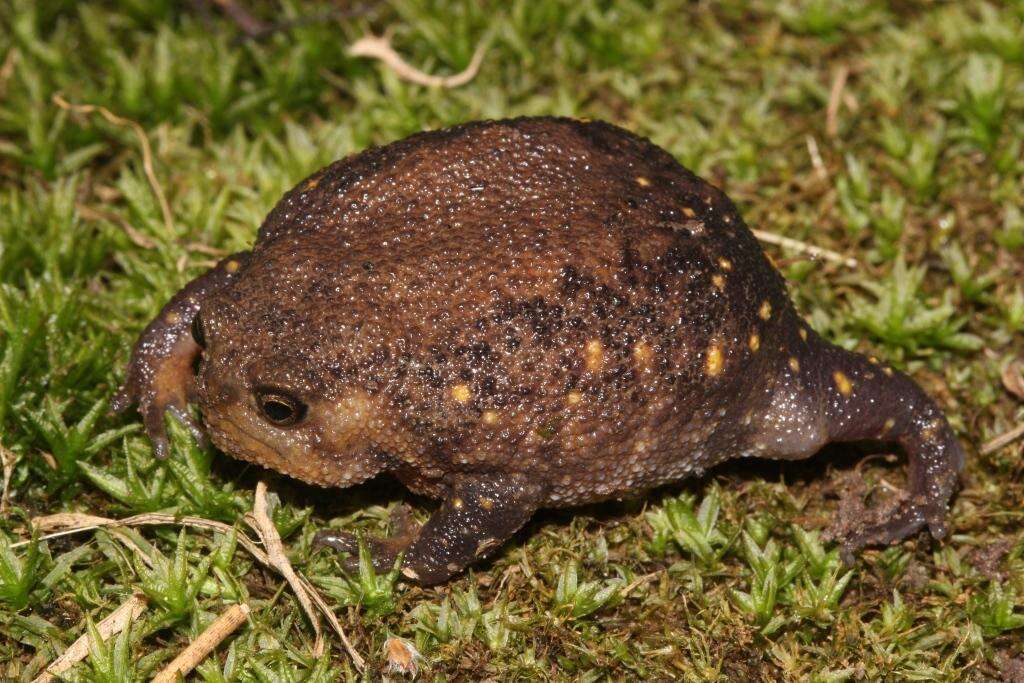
[73, 522]
[1003, 440]
[379, 47]
[639, 581]
[835, 98]
[205, 643]
[147, 151]
[137, 238]
[206, 249]
[259, 520]
[8, 458]
[114, 623]
[816, 160]
[804, 248]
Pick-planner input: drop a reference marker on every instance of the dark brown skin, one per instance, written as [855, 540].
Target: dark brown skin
[515, 315]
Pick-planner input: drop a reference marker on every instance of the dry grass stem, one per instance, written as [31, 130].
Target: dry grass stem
[835, 98]
[114, 623]
[147, 151]
[73, 522]
[214, 634]
[816, 161]
[639, 581]
[379, 47]
[804, 248]
[259, 520]
[137, 238]
[7, 458]
[1002, 440]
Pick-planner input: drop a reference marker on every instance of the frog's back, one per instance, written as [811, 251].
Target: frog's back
[554, 294]
[523, 208]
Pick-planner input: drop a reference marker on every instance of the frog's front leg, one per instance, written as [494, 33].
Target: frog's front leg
[480, 513]
[160, 375]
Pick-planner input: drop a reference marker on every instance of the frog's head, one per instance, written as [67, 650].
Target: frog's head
[270, 390]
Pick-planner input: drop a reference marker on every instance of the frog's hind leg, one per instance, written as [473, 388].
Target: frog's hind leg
[848, 397]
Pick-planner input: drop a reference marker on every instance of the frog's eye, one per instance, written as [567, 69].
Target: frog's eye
[279, 407]
[198, 333]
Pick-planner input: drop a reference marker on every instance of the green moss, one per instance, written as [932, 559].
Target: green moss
[918, 174]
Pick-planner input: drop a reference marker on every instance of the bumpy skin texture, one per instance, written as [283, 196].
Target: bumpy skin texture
[521, 314]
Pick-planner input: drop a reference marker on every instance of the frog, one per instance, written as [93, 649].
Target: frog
[515, 315]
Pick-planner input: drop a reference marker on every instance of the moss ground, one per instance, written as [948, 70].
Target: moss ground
[888, 132]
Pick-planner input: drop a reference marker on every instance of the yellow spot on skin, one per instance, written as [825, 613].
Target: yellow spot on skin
[490, 417]
[486, 503]
[688, 212]
[725, 263]
[643, 353]
[754, 343]
[714, 362]
[573, 398]
[794, 364]
[312, 183]
[461, 393]
[803, 333]
[595, 355]
[887, 371]
[889, 424]
[642, 181]
[873, 360]
[457, 503]
[640, 446]
[765, 311]
[173, 318]
[843, 383]
[231, 266]
[719, 282]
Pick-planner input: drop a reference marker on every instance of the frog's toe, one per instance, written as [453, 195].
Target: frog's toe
[156, 429]
[341, 541]
[383, 551]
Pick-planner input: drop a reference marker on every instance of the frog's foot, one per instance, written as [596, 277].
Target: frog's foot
[866, 400]
[479, 515]
[383, 551]
[906, 520]
[160, 374]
